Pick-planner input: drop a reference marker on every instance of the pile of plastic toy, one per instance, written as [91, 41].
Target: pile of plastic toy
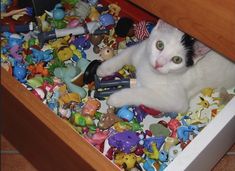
[48, 62]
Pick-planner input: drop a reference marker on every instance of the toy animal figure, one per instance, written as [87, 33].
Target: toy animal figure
[108, 119]
[81, 9]
[98, 138]
[184, 131]
[43, 25]
[124, 141]
[154, 154]
[91, 106]
[173, 124]
[13, 39]
[20, 71]
[125, 113]
[44, 56]
[78, 120]
[67, 74]
[114, 10]
[225, 97]
[94, 14]
[66, 97]
[173, 152]
[148, 164]
[168, 70]
[127, 161]
[15, 52]
[38, 69]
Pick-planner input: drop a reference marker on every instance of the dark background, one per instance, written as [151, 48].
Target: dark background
[38, 5]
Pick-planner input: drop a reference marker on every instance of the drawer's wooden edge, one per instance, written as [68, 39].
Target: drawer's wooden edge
[210, 22]
[16, 97]
[210, 145]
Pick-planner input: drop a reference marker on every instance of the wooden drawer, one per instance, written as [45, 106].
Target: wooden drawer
[49, 143]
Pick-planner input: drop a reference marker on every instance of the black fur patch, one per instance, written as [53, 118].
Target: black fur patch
[188, 43]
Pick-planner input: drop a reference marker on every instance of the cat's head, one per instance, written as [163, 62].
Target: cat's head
[171, 50]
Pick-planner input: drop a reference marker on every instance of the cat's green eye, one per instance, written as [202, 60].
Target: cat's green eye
[160, 45]
[177, 59]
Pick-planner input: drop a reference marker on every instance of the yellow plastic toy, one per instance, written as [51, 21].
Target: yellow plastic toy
[152, 155]
[127, 161]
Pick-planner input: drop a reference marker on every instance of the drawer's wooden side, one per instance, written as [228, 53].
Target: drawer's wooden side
[44, 139]
[210, 21]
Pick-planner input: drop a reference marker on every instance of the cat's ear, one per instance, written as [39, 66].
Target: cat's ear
[200, 50]
[163, 26]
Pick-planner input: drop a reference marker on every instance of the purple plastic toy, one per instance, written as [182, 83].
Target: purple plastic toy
[126, 141]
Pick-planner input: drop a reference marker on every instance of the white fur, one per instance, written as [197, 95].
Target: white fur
[168, 88]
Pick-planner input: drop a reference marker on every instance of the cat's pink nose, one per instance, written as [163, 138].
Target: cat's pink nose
[158, 65]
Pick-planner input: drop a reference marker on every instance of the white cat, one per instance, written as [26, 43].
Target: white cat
[171, 67]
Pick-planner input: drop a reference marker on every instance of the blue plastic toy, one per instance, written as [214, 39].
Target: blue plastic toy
[39, 56]
[158, 140]
[125, 113]
[148, 164]
[106, 20]
[58, 13]
[20, 72]
[185, 130]
[13, 39]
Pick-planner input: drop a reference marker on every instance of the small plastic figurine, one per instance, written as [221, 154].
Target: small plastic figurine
[66, 97]
[154, 154]
[38, 69]
[173, 125]
[106, 20]
[15, 52]
[128, 161]
[44, 56]
[114, 10]
[124, 141]
[91, 106]
[183, 132]
[96, 40]
[67, 74]
[58, 15]
[125, 113]
[98, 138]
[20, 72]
[94, 14]
[173, 152]
[78, 119]
[108, 119]
[148, 164]
[149, 141]
[106, 53]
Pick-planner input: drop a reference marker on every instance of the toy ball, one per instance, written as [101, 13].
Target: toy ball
[124, 27]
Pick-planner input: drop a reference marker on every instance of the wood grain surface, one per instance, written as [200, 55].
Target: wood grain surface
[43, 138]
[16, 162]
[210, 21]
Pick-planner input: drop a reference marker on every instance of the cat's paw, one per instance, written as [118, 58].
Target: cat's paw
[116, 100]
[104, 70]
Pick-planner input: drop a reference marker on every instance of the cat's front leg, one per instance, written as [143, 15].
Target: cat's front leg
[128, 96]
[117, 62]
[158, 100]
